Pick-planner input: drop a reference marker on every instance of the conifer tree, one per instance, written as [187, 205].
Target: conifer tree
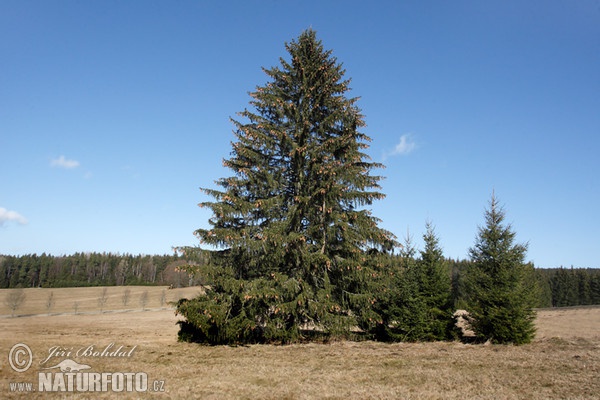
[500, 287]
[400, 309]
[433, 279]
[292, 220]
[595, 288]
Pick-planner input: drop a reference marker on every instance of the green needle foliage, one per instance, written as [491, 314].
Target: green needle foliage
[400, 308]
[434, 283]
[291, 221]
[501, 288]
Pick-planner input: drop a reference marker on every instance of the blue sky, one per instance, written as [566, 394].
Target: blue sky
[114, 113]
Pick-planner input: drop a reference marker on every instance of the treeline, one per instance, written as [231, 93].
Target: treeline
[565, 287]
[93, 269]
[558, 287]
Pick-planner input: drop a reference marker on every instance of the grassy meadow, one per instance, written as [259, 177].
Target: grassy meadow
[562, 363]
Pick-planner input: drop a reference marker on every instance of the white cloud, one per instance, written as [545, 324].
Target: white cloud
[8, 216]
[62, 162]
[405, 146]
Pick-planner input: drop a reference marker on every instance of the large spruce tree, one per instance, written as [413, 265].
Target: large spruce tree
[500, 287]
[292, 221]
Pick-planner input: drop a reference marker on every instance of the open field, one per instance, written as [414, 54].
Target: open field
[563, 362]
[85, 299]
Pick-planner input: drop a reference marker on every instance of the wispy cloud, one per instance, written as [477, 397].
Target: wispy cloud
[11, 216]
[405, 146]
[62, 162]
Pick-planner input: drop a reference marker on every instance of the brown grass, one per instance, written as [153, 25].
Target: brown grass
[87, 299]
[563, 362]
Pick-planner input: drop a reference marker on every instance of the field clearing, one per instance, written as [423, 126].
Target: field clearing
[85, 299]
[563, 361]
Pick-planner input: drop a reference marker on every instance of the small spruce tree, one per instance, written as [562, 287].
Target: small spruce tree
[400, 309]
[434, 283]
[500, 288]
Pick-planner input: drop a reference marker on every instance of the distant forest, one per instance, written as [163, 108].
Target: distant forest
[93, 269]
[558, 287]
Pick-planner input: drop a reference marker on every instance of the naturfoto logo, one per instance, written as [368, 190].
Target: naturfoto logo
[70, 366]
[73, 376]
[92, 381]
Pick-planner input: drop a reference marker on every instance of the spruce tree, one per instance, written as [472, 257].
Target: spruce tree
[500, 287]
[400, 309]
[433, 279]
[564, 290]
[595, 288]
[291, 221]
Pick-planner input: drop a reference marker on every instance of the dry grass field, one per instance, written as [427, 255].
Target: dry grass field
[562, 363]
